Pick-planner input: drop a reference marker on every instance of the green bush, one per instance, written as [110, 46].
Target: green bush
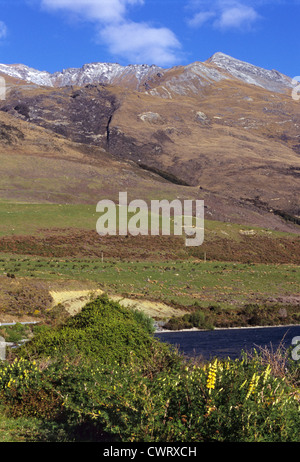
[197, 319]
[103, 373]
[15, 333]
[224, 401]
[232, 401]
[144, 320]
[103, 330]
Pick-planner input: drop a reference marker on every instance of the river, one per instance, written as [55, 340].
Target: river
[224, 343]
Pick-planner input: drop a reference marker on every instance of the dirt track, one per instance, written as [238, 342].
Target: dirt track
[74, 301]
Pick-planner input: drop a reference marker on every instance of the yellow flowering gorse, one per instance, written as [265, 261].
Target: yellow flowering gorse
[19, 372]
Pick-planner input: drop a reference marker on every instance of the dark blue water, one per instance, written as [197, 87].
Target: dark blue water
[230, 343]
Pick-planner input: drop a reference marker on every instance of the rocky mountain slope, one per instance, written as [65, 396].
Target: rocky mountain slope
[270, 80]
[223, 131]
[218, 67]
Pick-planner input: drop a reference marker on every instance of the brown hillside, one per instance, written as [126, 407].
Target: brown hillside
[235, 144]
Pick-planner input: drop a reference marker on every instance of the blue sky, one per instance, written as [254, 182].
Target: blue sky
[56, 34]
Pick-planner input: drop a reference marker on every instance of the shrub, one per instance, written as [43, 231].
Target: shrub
[16, 332]
[102, 372]
[197, 319]
[233, 401]
[103, 330]
[144, 320]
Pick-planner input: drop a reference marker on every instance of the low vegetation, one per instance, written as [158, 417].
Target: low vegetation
[17, 332]
[230, 285]
[69, 231]
[214, 316]
[102, 376]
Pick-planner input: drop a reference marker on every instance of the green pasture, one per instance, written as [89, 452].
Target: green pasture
[32, 219]
[183, 282]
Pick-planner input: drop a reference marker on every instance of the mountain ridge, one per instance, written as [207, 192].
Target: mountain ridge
[140, 76]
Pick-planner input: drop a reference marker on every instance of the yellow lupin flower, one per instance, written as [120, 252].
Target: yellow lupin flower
[267, 373]
[212, 375]
[252, 385]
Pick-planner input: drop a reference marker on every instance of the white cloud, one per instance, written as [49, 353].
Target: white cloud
[98, 10]
[224, 14]
[138, 42]
[200, 18]
[237, 17]
[141, 43]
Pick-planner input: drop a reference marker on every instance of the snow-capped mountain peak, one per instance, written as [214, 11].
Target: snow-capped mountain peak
[269, 79]
[219, 66]
[23, 72]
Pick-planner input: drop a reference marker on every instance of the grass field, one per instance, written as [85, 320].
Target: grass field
[28, 219]
[52, 244]
[183, 282]
[70, 230]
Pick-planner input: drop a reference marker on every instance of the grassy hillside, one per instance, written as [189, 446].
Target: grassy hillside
[232, 160]
[189, 285]
[69, 230]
